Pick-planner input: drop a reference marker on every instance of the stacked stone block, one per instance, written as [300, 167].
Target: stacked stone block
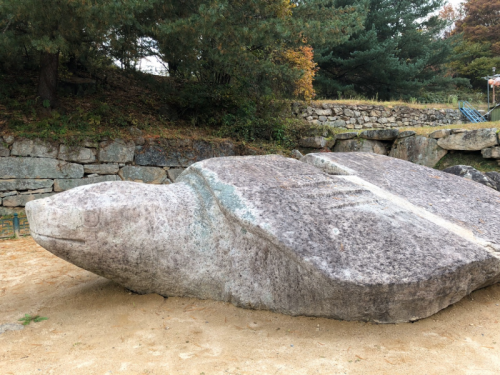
[31, 168]
[373, 116]
[407, 145]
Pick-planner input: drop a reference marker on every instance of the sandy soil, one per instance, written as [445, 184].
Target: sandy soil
[95, 326]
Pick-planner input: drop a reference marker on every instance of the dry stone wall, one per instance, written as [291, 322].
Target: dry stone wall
[373, 116]
[31, 168]
[407, 145]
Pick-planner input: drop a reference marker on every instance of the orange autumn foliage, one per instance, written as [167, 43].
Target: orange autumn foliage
[302, 59]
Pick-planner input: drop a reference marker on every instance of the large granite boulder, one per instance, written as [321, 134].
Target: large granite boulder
[269, 232]
[467, 211]
[471, 173]
[473, 140]
[274, 233]
[494, 178]
[360, 145]
[419, 150]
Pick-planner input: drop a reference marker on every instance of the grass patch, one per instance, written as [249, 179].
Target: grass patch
[391, 104]
[472, 158]
[120, 102]
[426, 130]
[27, 319]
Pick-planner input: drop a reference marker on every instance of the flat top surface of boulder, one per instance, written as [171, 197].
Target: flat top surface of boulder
[344, 230]
[461, 201]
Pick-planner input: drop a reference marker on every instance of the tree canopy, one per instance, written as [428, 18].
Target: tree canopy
[398, 53]
[477, 39]
[245, 48]
[481, 23]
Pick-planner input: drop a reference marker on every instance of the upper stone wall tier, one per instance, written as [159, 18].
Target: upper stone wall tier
[373, 116]
[33, 168]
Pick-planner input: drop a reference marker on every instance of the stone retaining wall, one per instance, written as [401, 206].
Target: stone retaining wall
[373, 116]
[32, 169]
[406, 145]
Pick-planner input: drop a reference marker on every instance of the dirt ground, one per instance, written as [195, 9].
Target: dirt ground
[95, 326]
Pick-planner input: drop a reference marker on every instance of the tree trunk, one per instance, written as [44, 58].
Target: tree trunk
[73, 64]
[49, 69]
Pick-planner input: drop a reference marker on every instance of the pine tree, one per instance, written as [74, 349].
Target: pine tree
[37, 33]
[217, 40]
[223, 56]
[241, 49]
[398, 53]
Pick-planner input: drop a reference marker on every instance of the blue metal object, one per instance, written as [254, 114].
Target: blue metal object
[14, 226]
[15, 222]
[470, 112]
[6, 228]
[24, 226]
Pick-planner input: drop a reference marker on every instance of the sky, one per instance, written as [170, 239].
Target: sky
[455, 3]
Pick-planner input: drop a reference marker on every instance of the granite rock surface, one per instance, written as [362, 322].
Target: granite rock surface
[25, 184]
[117, 151]
[77, 154]
[471, 140]
[313, 142]
[101, 168]
[491, 153]
[495, 178]
[66, 184]
[343, 136]
[269, 232]
[360, 145]
[34, 168]
[22, 199]
[457, 200]
[471, 173]
[148, 175]
[34, 147]
[419, 150]
[380, 134]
